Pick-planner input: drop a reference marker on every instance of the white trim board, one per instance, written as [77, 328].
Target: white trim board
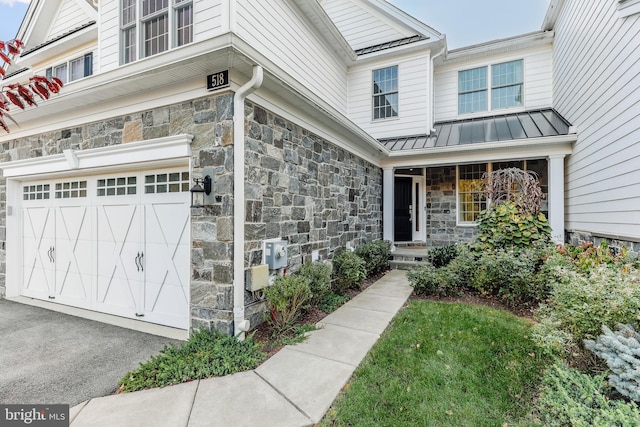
[150, 152]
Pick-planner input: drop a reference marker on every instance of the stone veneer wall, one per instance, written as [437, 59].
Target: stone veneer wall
[577, 237]
[298, 187]
[305, 190]
[441, 225]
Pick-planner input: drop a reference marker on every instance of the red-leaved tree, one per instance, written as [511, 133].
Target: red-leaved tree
[21, 94]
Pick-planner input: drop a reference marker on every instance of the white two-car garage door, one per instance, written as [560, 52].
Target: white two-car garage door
[114, 243]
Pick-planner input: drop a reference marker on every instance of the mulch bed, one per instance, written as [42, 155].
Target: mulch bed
[263, 333]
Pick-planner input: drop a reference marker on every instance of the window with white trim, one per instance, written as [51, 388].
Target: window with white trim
[470, 188]
[506, 90]
[385, 93]
[149, 27]
[75, 69]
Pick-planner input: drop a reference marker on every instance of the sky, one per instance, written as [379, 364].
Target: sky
[465, 22]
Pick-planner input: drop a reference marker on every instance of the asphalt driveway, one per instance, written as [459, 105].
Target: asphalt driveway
[48, 357]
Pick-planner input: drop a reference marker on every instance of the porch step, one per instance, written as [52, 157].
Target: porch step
[410, 253]
[405, 265]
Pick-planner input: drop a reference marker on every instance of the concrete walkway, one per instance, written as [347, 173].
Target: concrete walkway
[295, 387]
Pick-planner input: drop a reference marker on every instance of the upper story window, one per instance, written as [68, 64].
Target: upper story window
[149, 27]
[75, 69]
[385, 93]
[472, 90]
[506, 87]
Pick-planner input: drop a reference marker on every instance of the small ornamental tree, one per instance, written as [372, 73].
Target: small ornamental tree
[22, 94]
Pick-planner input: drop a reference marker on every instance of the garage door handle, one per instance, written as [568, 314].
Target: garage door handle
[49, 254]
[53, 254]
[137, 258]
[141, 266]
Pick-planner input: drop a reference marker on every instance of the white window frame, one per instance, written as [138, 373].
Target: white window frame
[374, 95]
[489, 88]
[51, 71]
[136, 27]
[489, 169]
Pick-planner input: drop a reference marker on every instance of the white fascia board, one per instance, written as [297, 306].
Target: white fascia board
[59, 47]
[149, 151]
[494, 47]
[399, 52]
[403, 18]
[483, 152]
[326, 27]
[553, 12]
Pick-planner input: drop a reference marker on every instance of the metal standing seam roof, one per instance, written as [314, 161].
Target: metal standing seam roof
[504, 127]
[391, 44]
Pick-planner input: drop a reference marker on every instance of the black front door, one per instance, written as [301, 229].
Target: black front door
[402, 211]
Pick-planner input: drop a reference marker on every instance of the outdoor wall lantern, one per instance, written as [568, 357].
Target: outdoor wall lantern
[200, 190]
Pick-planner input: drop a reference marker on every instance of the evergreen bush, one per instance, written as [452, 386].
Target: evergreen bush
[621, 351]
[429, 280]
[319, 276]
[286, 299]
[443, 255]
[349, 270]
[375, 255]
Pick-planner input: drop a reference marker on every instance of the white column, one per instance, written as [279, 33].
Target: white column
[556, 197]
[387, 203]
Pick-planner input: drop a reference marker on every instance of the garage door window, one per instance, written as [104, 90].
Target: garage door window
[72, 189]
[117, 186]
[175, 182]
[35, 192]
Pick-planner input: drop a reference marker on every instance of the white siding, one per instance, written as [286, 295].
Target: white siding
[208, 19]
[281, 33]
[109, 36]
[538, 74]
[597, 88]
[69, 16]
[208, 23]
[413, 99]
[360, 25]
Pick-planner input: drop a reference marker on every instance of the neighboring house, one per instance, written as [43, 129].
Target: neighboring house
[330, 123]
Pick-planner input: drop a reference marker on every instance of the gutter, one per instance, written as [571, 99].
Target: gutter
[240, 324]
[432, 130]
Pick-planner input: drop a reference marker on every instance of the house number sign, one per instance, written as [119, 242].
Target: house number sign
[218, 80]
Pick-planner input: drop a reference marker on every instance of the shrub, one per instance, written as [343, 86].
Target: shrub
[286, 299]
[570, 398]
[206, 354]
[349, 270]
[429, 280]
[621, 351]
[330, 302]
[375, 255]
[462, 267]
[319, 276]
[583, 303]
[514, 276]
[507, 226]
[442, 256]
[587, 257]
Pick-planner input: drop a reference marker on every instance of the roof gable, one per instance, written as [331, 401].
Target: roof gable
[367, 23]
[46, 20]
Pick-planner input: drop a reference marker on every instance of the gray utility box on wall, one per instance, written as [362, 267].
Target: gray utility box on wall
[275, 254]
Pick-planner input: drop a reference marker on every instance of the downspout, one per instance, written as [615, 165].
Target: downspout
[240, 325]
[432, 88]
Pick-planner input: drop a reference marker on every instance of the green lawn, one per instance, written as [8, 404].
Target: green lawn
[443, 364]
